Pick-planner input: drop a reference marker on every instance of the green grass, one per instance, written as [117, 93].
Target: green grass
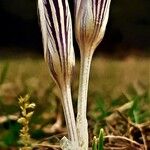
[112, 84]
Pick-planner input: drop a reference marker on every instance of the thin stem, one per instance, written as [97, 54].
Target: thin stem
[82, 125]
[69, 115]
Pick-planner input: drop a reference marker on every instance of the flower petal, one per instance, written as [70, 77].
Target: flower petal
[56, 29]
[91, 20]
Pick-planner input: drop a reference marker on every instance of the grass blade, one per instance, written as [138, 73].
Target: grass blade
[4, 73]
[101, 140]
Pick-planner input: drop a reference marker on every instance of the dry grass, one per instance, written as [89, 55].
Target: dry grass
[109, 79]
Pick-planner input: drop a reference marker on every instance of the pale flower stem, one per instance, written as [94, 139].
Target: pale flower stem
[82, 125]
[69, 116]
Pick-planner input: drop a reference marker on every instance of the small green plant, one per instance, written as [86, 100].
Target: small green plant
[98, 142]
[27, 110]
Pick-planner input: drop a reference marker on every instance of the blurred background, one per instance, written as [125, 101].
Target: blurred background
[120, 71]
[128, 29]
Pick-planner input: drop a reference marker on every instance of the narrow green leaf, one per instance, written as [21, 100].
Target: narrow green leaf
[94, 144]
[135, 109]
[101, 140]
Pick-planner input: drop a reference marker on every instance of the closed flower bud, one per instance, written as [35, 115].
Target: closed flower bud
[91, 18]
[29, 115]
[32, 105]
[56, 29]
[21, 120]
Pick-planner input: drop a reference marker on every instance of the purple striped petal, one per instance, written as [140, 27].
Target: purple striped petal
[56, 26]
[91, 18]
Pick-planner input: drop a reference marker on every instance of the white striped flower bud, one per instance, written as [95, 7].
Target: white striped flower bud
[56, 26]
[91, 18]
[56, 29]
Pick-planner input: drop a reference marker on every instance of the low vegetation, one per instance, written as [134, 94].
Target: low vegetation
[118, 102]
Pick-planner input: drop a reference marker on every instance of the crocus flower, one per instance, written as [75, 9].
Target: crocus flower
[56, 27]
[91, 18]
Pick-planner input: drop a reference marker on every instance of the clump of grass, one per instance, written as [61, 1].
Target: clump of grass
[27, 110]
